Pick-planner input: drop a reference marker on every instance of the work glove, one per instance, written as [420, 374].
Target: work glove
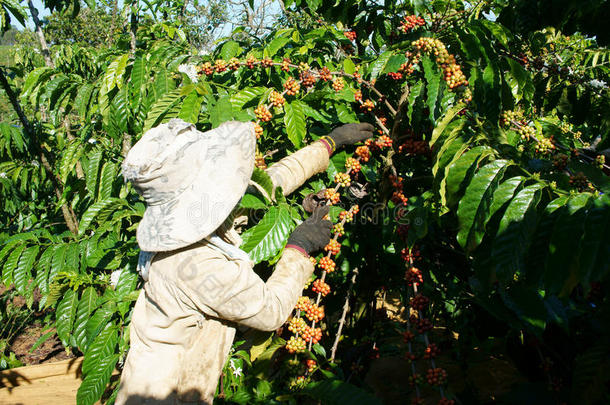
[314, 233]
[349, 134]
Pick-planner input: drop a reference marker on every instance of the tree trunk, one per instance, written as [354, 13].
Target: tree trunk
[133, 26]
[43, 42]
[68, 213]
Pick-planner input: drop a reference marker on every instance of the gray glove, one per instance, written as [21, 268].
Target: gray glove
[349, 134]
[314, 233]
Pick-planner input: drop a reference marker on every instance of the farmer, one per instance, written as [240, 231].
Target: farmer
[198, 284]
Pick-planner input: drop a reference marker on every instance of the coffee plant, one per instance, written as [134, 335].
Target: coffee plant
[473, 224]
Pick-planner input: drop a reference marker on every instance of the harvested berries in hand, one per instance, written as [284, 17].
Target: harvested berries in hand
[262, 113]
[333, 247]
[320, 287]
[343, 179]
[327, 264]
[292, 86]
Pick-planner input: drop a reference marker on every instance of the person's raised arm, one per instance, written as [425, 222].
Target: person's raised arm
[292, 171]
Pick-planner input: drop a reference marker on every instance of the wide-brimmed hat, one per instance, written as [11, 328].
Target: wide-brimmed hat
[190, 180]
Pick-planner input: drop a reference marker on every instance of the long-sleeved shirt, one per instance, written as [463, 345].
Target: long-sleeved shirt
[183, 323]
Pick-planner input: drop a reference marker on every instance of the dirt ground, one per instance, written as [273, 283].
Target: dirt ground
[50, 351]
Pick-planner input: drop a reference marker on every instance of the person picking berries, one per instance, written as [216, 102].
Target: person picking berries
[199, 286]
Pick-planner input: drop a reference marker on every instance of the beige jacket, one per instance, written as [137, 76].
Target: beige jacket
[183, 323]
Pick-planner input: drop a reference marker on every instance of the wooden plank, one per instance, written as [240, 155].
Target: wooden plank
[43, 384]
[63, 367]
[48, 384]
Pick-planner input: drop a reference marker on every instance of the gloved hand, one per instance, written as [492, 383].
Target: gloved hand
[314, 233]
[349, 134]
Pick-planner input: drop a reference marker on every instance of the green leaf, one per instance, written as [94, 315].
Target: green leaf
[442, 125]
[94, 210]
[94, 383]
[107, 179]
[11, 264]
[229, 49]
[65, 313]
[221, 111]
[504, 193]
[515, 232]
[92, 169]
[561, 269]
[345, 114]
[294, 118]
[160, 108]
[242, 97]
[433, 80]
[58, 260]
[268, 237]
[252, 201]
[23, 271]
[379, 64]
[262, 179]
[99, 319]
[86, 305]
[460, 172]
[276, 44]
[595, 244]
[473, 209]
[102, 346]
[191, 106]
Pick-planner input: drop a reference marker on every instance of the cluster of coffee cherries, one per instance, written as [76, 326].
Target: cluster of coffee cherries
[544, 146]
[580, 182]
[410, 22]
[351, 35]
[452, 72]
[276, 99]
[414, 147]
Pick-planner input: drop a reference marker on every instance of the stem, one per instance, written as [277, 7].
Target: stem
[41, 39]
[343, 315]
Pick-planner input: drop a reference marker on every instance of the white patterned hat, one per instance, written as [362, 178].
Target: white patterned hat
[190, 180]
